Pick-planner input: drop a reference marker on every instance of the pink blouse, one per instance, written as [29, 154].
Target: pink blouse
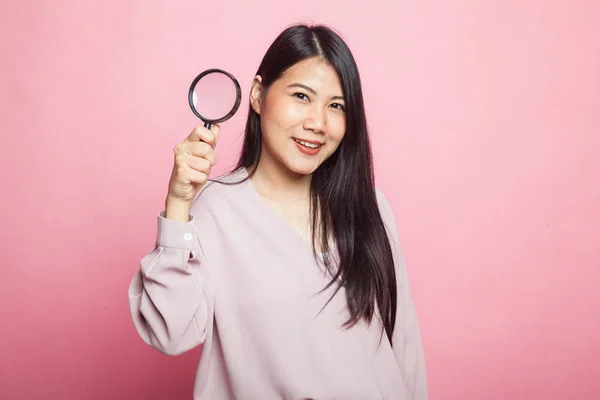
[242, 282]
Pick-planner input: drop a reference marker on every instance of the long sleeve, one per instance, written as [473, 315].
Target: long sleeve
[169, 301]
[406, 340]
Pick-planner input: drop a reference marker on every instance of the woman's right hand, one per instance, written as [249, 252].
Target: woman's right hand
[194, 158]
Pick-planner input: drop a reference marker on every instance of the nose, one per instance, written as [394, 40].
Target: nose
[316, 120]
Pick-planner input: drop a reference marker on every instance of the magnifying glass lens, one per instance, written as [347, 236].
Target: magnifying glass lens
[214, 95]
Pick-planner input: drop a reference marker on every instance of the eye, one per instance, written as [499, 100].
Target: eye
[338, 106]
[301, 96]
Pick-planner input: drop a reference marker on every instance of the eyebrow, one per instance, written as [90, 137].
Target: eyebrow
[313, 91]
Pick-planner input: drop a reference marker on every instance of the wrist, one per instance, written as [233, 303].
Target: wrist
[177, 210]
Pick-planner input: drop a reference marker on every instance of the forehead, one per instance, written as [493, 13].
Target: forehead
[315, 73]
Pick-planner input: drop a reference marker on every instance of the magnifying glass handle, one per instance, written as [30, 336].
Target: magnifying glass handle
[207, 125]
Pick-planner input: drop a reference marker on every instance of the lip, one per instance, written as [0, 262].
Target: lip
[308, 150]
[309, 141]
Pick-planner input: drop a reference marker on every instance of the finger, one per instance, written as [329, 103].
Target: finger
[199, 164]
[185, 150]
[201, 149]
[211, 156]
[200, 133]
[196, 176]
[215, 129]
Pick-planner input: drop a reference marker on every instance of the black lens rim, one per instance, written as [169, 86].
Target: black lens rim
[233, 110]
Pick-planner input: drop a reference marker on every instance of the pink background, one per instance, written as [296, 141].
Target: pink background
[485, 118]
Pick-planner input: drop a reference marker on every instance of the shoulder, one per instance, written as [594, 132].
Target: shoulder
[217, 191]
[385, 209]
[384, 206]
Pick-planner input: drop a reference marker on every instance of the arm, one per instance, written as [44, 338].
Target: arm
[169, 302]
[406, 340]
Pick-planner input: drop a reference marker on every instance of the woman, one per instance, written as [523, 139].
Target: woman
[288, 270]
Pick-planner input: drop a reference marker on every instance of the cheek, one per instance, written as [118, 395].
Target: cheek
[338, 130]
[290, 115]
[283, 113]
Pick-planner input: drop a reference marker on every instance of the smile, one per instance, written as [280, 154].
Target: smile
[310, 145]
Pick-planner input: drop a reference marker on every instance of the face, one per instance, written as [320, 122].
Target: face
[303, 117]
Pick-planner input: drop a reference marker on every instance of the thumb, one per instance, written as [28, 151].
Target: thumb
[215, 129]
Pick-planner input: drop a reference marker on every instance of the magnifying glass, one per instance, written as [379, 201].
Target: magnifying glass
[214, 96]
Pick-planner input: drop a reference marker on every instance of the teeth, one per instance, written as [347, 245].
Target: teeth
[311, 145]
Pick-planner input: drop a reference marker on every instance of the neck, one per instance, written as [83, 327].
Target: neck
[278, 183]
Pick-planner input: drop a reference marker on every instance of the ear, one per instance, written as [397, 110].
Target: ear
[256, 93]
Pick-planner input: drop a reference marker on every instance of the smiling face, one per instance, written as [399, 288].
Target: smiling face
[302, 115]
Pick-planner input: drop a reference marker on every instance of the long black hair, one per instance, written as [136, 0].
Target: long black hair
[342, 192]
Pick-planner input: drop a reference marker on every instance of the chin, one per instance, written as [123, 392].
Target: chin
[302, 167]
